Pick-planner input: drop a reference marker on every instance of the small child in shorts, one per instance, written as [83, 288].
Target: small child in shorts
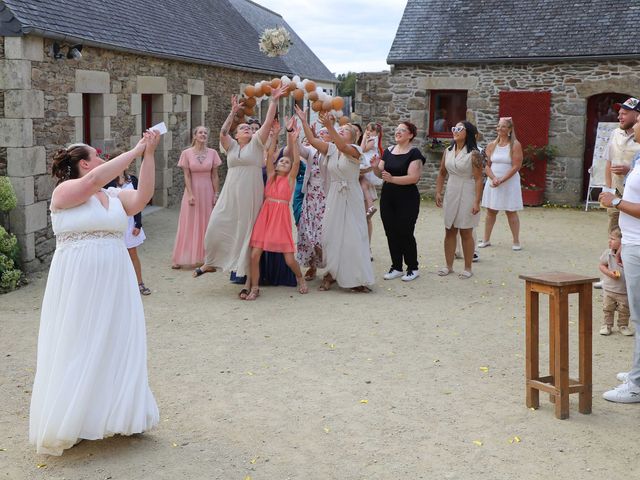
[614, 288]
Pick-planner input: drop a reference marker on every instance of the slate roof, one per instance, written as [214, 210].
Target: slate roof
[216, 32]
[500, 30]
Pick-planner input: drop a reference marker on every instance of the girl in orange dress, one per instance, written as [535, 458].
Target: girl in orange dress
[272, 231]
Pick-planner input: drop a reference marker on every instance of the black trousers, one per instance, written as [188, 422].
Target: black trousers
[399, 208]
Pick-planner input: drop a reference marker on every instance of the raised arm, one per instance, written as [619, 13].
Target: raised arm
[271, 149]
[345, 147]
[225, 136]
[315, 142]
[276, 93]
[74, 192]
[134, 201]
[293, 132]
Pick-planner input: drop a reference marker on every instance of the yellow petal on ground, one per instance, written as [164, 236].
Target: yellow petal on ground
[477, 443]
[253, 460]
[174, 445]
[327, 429]
[516, 439]
[250, 373]
[41, 465]
[248, 477]
[332, 346]
[364, 400]
[484, 369]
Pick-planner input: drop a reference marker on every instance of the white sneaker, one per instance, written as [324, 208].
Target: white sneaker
[605, 330]
[625, 331]
[484, 244]
[411, 275]
[622, 377]
[625, 393]
[476, 257]
[598, 285]
[391, 274]
[516, 247]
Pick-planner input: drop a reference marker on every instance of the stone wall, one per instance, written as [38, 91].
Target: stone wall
[403, 94]
[42, 112]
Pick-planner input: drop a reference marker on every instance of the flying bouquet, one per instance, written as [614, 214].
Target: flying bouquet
[275, 42]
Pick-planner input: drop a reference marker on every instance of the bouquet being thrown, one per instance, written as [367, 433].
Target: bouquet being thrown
[275, 42]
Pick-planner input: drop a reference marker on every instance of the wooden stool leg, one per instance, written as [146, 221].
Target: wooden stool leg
[585, 346]
[553, 319]
[561, 353]
[532, 342]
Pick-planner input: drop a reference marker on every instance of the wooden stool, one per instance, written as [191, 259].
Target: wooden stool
[558, 286]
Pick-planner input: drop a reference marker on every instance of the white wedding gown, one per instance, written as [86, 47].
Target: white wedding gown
[91, 377]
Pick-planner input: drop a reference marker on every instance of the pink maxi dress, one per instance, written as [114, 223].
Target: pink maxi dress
[192, 224]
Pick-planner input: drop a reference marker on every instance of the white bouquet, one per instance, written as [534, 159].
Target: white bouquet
[275, 42]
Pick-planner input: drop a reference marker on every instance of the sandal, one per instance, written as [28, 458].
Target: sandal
[143, 289]
[199, 271]
[311, 274]
[371, 210]
[444, 271]
[465, 274]
[361, 289]
[253, 294]
[243, 294]
[176, 267]
[325, 286]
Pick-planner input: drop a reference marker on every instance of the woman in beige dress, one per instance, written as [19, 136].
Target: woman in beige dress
[462, 164]
[345, 240]
[226, 240]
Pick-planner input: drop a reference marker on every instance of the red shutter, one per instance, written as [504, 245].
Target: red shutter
[531, 115]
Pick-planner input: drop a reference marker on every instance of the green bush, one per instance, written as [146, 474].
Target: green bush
[10, 275]
[8, 199]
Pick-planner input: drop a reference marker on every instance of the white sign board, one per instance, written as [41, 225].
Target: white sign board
[598, 162]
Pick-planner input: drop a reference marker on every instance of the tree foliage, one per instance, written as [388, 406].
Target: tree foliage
[347, 85]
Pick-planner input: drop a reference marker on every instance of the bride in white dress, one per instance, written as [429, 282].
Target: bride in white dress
[91, 377]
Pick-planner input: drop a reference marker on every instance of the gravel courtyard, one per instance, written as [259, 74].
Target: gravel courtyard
[420, 380]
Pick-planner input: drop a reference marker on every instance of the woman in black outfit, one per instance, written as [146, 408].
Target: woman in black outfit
[400, 168]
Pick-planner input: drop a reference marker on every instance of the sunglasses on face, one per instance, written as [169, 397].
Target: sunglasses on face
[401, 130]
[244, 127]
[457, 129]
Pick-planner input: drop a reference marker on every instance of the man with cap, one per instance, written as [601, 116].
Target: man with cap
[629, 208]
[620, 152]
[618, 155]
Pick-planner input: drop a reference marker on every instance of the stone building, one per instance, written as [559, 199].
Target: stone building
[179, 63]
[454, 59]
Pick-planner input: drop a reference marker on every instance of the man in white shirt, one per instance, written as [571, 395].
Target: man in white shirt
[620, 151]
[629, 209]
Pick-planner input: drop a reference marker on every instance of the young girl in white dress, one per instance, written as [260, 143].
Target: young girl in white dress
[371, 146]
[134, 235]
[91, 374]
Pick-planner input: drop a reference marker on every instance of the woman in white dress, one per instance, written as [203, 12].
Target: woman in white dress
[502, 190]
[345, 241]
[91, 376]
[462, 165]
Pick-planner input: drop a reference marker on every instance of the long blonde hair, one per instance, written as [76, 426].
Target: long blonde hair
[512, 136]
[193, 134]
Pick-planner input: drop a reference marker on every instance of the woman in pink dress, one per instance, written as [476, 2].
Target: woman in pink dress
[201, 186]
[272, 231]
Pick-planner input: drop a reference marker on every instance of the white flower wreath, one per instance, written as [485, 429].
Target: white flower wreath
[275, 42]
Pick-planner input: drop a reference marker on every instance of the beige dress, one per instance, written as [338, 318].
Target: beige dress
[226, 240]
[345, 241]
[461, 190]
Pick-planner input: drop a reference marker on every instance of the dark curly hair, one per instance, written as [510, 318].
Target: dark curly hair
[65, 161]
[413, 130]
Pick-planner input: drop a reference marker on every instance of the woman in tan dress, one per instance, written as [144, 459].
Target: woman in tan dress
[462, 164]
[345, 241]
[226, 240]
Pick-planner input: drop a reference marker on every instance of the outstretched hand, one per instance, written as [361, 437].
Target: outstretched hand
[302, 114]
[151, 138]
[276, 93]
[235, 104]
[293, 129]
[327, 119]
